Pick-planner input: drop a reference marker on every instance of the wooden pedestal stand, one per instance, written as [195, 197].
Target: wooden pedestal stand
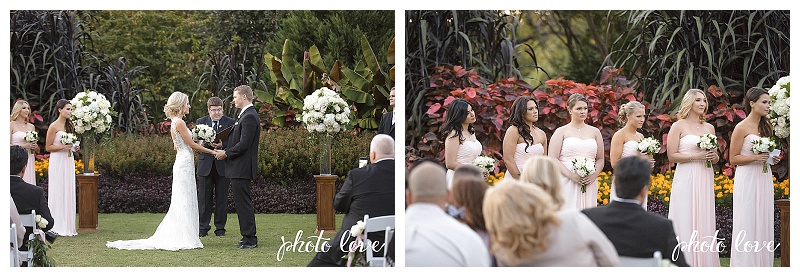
[783, 205]
[326, 190]
[87, 202]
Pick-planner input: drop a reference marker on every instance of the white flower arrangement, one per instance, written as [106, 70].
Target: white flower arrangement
[324, 111]
[485, 162]
[32, 137]
[203, 132]
[67, 139]
[583, 167]
[91, 112]
[649, 146]
[708, 142]
[358, 228]
[41, 222]
[779, 108]
[763, 145]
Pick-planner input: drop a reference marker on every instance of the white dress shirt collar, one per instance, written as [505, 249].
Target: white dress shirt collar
[243, 109]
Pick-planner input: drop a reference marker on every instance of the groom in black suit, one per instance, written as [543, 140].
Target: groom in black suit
[368, 190]
[27, 197]
[634, 231]
[387, 120]
[211, 181]
[241, 163]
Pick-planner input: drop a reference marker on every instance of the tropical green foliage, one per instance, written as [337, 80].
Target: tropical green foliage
[668, 52]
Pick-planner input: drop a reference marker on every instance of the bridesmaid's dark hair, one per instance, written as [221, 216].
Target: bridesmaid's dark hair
[518, 110]
[752, 95]
[456, 114]
[68, 124]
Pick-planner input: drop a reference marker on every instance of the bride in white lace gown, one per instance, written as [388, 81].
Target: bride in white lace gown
[180, 227]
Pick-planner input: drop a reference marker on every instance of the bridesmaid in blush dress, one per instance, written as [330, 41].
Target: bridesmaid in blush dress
[460, 145]
[691, 206]
[753, 202]
[61, 172]
[625, 142]
[522, 139]
[19, 128]
[573, 140]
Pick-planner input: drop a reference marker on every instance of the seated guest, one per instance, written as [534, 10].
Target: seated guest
[27, 197]
[20, 229]
[543, 171]
[462, 171]
[368, 190]
[634, 231]
[467, 197]
[433, 238]
[527, 229]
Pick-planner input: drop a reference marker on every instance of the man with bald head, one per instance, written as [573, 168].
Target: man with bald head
[368, 190]
[433, 238]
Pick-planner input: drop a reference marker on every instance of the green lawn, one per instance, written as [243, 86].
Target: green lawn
[726, 262]
[89, 249]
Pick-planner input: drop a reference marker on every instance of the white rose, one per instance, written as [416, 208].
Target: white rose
[92, 94]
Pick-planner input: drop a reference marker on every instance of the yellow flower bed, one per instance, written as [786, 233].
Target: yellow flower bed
[661, 187]
[42, 165]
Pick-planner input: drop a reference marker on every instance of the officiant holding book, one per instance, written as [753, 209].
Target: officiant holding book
[212, 185]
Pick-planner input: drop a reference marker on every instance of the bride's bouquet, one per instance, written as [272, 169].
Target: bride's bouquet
[779, 109]
[324, 111]
[763, 145]
[583, 167]
[202, 132]
[70, 138]
[485, 162]
[32, 137]
[91, 112]
[649, 146]
[708, 142]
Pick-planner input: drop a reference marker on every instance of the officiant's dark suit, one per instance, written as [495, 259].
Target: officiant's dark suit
[634, 231]
[241, 163]
[27, 197]
[367, 190]
[212, 185]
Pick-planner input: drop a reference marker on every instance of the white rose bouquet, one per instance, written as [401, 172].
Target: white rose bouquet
[69, 138]
[763, 145]
[202, 132]
[708, 142]
[32, 137]
[41, 222]
[779, 109]
[485, 162]
[91, 112]
[583, 167]
[324, 111]
[649, 146]
[358, 228]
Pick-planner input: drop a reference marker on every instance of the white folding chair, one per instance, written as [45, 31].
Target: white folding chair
[654, 261]
[14, 247]
[377, 224]
[29, 220]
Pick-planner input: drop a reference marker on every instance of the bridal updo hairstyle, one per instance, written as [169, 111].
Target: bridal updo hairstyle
[18, 107]
[627, 109]
[542, 171]
[175, 104]
[518, 110]
[688, 100]
[456, 114]
[752, 95]
[68, 127]
[519, 218]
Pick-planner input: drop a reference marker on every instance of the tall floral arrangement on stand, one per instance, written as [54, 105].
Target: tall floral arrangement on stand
[92, 117]
[779, 109]
[325, 113]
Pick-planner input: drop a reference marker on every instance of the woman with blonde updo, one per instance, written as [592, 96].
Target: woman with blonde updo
[625, 142]
[180, 228]
[691, 204]
[527, 229]
[20, 125]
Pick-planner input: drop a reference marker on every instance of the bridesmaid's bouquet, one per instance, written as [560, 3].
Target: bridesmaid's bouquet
[485, 162]
[69, 138]
[708, 142]
[583, 167]
[32, 137]
[649, 146]
[203, 132]
[764, 145]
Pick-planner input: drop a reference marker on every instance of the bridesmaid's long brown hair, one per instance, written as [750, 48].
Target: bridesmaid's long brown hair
[68, 124]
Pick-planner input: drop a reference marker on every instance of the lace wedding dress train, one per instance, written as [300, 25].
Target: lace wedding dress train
[180, 227]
